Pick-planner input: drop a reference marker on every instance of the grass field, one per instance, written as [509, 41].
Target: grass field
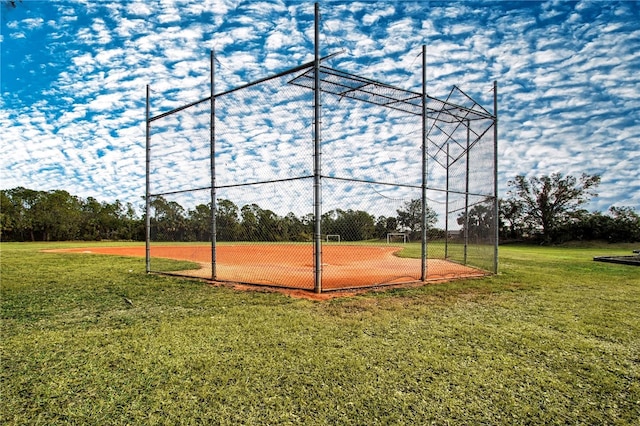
[88, 339]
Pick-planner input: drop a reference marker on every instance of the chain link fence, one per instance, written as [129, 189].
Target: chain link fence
[257, 162]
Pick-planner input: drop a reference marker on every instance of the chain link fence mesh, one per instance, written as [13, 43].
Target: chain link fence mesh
[371, 176]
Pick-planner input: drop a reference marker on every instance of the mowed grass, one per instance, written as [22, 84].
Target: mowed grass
[89, 339]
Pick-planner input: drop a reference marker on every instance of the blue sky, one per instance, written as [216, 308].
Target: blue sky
[73, 78]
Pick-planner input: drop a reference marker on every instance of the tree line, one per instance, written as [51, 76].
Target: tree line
[544, 209]
[548, 209]
[31, 215]
[171, 222]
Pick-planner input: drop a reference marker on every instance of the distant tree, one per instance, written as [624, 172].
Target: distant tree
[625, 226]
[27, 214]
[104, 220]
[7, 216]
[131, 227]
[168, 220]
[581, 225]
[199, 220]
[270, 226]
[410, 217]
[384, 225]
[249, 215]
[351, 225]
[480, 225]
[512, 222]
[90, 221]
[294, 229]
[620, 224]
[360, 224]
[227, 224]
[19, 209]
[58, 216]
[549, 201]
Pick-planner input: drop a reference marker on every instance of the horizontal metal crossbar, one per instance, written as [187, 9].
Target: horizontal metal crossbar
[235, 185]
[405, 185]
[346, 85]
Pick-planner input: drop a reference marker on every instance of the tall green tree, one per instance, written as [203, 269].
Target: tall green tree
[625, 224]
[168, 220]
[227, 223]
[7, 214]
[20, 207]
[101, 220]
[132, 227]
[384, 225]
[295, 229]
[512, 223]
[249, 225]
[410, 217]
[199, 220]
[351, 225]
[57, 215]
[549, 201]
[270, 225]
[480, 224]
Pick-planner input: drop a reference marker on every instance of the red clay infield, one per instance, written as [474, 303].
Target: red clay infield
[291, 265]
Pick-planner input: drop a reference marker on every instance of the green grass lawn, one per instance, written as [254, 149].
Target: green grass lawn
[88, 339]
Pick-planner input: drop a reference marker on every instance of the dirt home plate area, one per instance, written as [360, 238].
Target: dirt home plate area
[290, 266]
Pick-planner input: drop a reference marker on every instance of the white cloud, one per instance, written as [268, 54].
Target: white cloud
[18, 35]
[550, 56]
[106, 102]
[128, 28]
[83, 61]
[102, 33]
[568, 87]
[373, 17]
[138, 8]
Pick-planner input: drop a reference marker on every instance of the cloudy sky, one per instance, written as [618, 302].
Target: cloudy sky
[73, 78]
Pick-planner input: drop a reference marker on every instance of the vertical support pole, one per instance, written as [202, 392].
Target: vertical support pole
[212, 159]
[147, 190]
[466, 197]
[446, 209]
[496, 205]
[317, 168]
[424, 248]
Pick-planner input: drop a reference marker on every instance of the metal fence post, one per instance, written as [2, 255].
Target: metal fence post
[423, 270]
[317, 169]
[466, 196]
[213, 169]
[446, 209]
[147, 188]
[496, 204]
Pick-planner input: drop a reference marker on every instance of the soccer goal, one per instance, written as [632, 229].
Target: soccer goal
[333, 237]
[396, 237]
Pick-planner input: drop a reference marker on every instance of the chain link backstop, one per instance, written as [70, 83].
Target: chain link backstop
[400, 185]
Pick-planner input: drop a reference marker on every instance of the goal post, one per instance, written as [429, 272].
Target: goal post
[333, 237]
[397, 235]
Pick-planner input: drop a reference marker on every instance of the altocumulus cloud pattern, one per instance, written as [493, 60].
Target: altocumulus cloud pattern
[73, 77]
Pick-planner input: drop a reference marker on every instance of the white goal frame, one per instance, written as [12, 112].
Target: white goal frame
[397, 234]
[332, 235]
